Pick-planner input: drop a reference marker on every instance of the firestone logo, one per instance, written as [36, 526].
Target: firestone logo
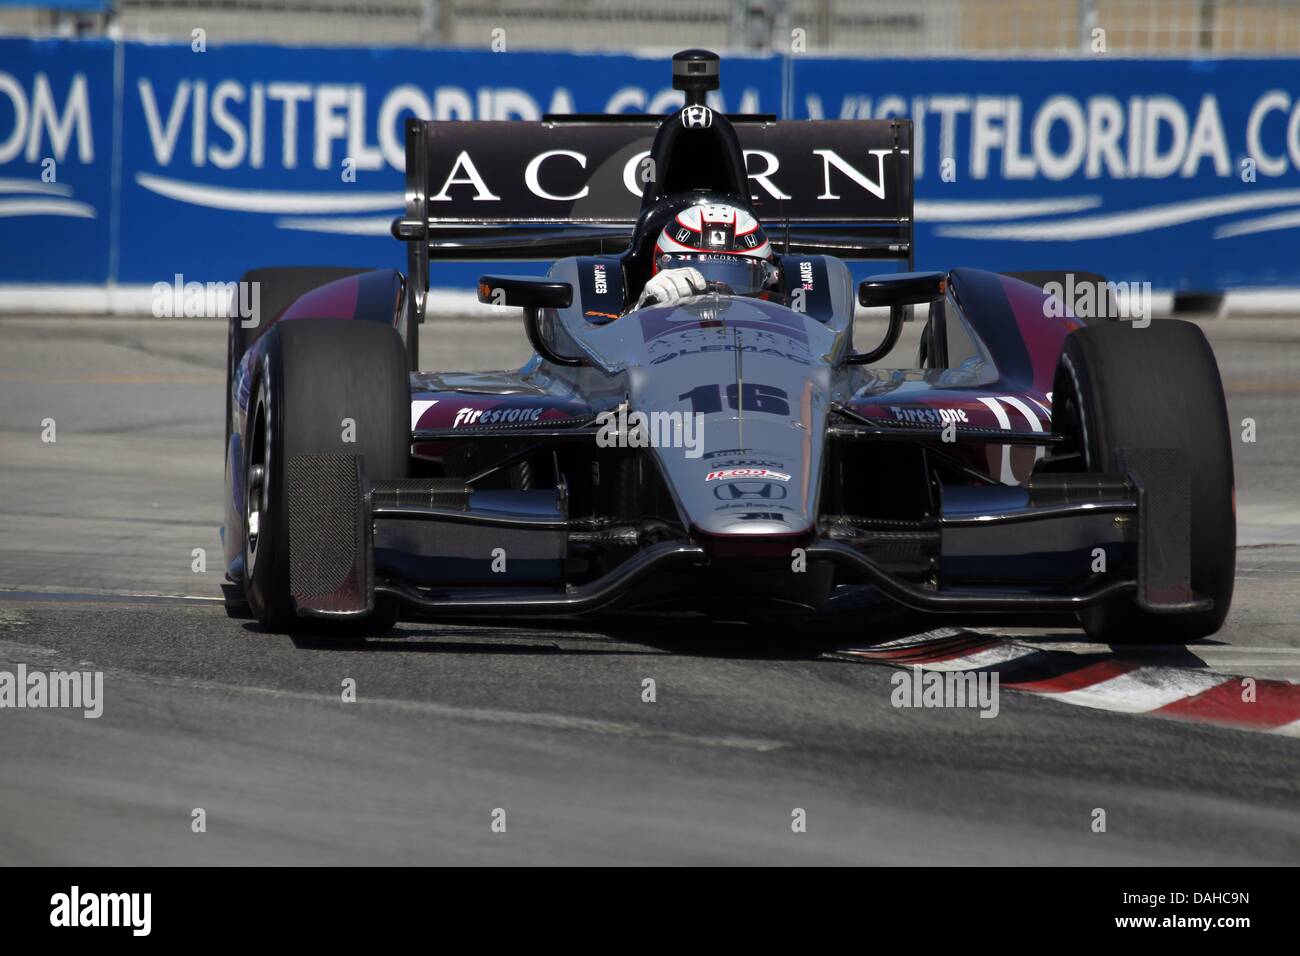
[495, 416]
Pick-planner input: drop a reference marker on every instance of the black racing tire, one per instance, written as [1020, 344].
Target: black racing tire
[1117, 386]
[277, 289]
[313, 374]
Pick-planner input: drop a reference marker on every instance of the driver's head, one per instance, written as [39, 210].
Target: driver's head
[710, 232]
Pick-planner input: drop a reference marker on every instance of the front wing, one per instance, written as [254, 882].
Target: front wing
[1058, 544]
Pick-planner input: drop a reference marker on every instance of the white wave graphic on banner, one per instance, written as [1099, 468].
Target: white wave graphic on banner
[46, 207]
[1107, 225]
[359, 226]
[34, 186]
[996, 219]
[264, 200]
[967, 210]
[310, 206]
[41, 199]
[1246, 227]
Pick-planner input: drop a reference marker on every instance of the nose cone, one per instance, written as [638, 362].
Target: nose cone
[735, 524]
[756, 479]
[749, 373]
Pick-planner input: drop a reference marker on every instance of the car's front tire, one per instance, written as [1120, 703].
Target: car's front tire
[1122, 386]
[314, 374]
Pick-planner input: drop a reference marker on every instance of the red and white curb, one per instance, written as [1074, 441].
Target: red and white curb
[1106, 683]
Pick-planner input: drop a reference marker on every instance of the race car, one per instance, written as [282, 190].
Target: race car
[732, 453]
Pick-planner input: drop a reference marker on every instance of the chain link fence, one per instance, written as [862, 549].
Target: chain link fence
[879, 27]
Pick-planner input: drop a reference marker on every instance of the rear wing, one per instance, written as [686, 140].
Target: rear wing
[572, 185]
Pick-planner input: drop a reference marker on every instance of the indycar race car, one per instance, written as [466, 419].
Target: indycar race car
[732, 453]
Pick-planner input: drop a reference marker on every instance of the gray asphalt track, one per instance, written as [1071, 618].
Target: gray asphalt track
[453, 722]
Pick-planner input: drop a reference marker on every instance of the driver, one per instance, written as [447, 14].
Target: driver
[715, 242]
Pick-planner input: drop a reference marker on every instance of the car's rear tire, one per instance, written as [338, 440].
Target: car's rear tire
[1122, 386]
[314, 373]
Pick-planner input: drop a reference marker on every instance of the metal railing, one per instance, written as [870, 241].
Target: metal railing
[876, 27]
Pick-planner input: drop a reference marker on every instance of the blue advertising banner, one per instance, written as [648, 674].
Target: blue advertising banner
[56, 160]
[249, 155]
[128, 163]
[1182, 173]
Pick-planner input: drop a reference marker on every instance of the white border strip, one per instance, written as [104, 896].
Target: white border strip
[137, 300]
[133, 300]
[1144, 689]
[1140, 691]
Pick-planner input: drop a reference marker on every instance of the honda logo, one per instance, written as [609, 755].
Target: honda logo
[697, 117]
[749, 491]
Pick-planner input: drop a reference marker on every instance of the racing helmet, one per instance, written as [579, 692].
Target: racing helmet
[724, 242]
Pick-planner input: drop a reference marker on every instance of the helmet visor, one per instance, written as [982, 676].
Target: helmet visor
[740, 275]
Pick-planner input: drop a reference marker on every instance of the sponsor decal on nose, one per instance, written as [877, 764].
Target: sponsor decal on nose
[725, 474]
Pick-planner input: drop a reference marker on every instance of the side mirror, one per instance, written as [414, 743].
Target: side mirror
[902, 288]
[530, 292]
[533, 294]
[897, 291]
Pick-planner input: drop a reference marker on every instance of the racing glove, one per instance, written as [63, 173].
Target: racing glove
[666, 287]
